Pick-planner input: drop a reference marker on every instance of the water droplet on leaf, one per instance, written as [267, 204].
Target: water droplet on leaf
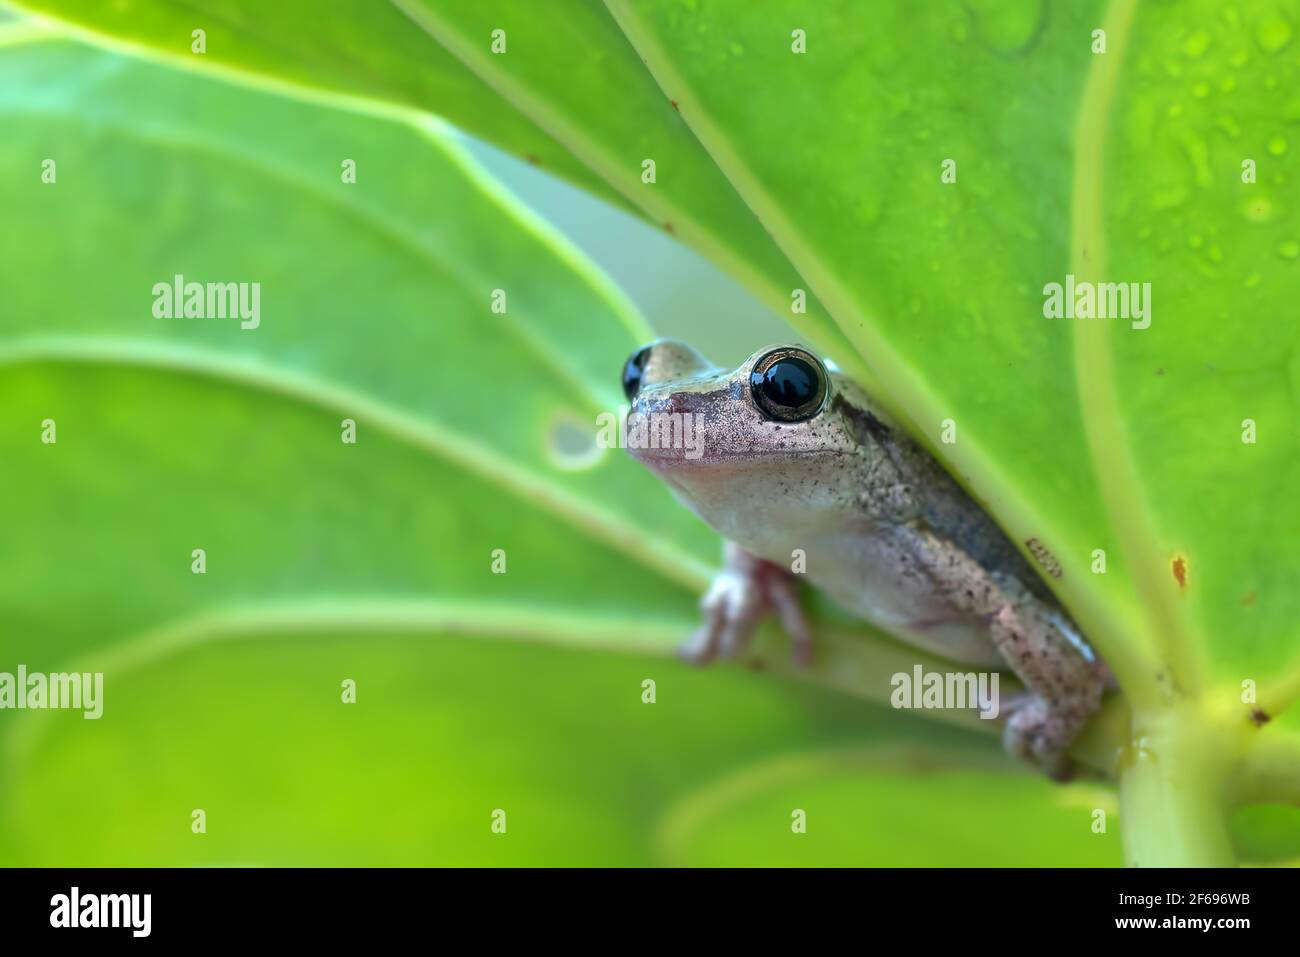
[1272, 32]
[1196, 44]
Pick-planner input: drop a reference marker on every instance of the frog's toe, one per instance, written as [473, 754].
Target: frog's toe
[1037, 733]
[784, 596]
[698, 649]
[735, 605]
[702, 647]
[727, 638]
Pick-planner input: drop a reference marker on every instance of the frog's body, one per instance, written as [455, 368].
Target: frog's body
[798, 460]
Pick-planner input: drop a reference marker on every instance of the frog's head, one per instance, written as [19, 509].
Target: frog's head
[782, 430]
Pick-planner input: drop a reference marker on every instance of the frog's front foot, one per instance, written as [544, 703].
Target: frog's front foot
[746, 590]
[1040, 733]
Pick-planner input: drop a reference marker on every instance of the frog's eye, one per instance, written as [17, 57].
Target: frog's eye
[789, 385]
[633, 370]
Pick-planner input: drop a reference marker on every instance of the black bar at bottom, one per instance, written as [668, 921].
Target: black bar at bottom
[332, 906]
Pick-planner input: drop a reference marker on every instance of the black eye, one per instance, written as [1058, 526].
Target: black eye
[789, 385]
[632, 372]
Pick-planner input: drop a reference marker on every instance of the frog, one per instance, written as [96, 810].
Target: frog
[807, 477]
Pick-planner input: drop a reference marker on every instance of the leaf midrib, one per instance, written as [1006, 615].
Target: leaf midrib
[1116, 470]
[420, 432]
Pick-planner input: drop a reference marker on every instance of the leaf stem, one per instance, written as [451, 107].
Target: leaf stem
[1172, 796]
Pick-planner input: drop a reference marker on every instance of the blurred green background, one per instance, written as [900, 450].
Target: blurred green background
[372, 562]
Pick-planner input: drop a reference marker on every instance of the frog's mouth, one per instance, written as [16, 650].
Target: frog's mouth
[667, 460]
[701, 488]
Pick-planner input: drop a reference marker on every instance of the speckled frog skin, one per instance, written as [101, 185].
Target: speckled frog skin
[787, 454]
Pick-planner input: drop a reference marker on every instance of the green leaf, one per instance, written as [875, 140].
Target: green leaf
[384, 318]
[157, 457]
[369, 50]
[877, 807]
[358, 52]
[1268, 834]
[375, 308]
[1122, 166]
[444, 731]
[1199, 91]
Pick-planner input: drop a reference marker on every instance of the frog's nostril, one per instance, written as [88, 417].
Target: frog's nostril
[677, 402]
[668, 405]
